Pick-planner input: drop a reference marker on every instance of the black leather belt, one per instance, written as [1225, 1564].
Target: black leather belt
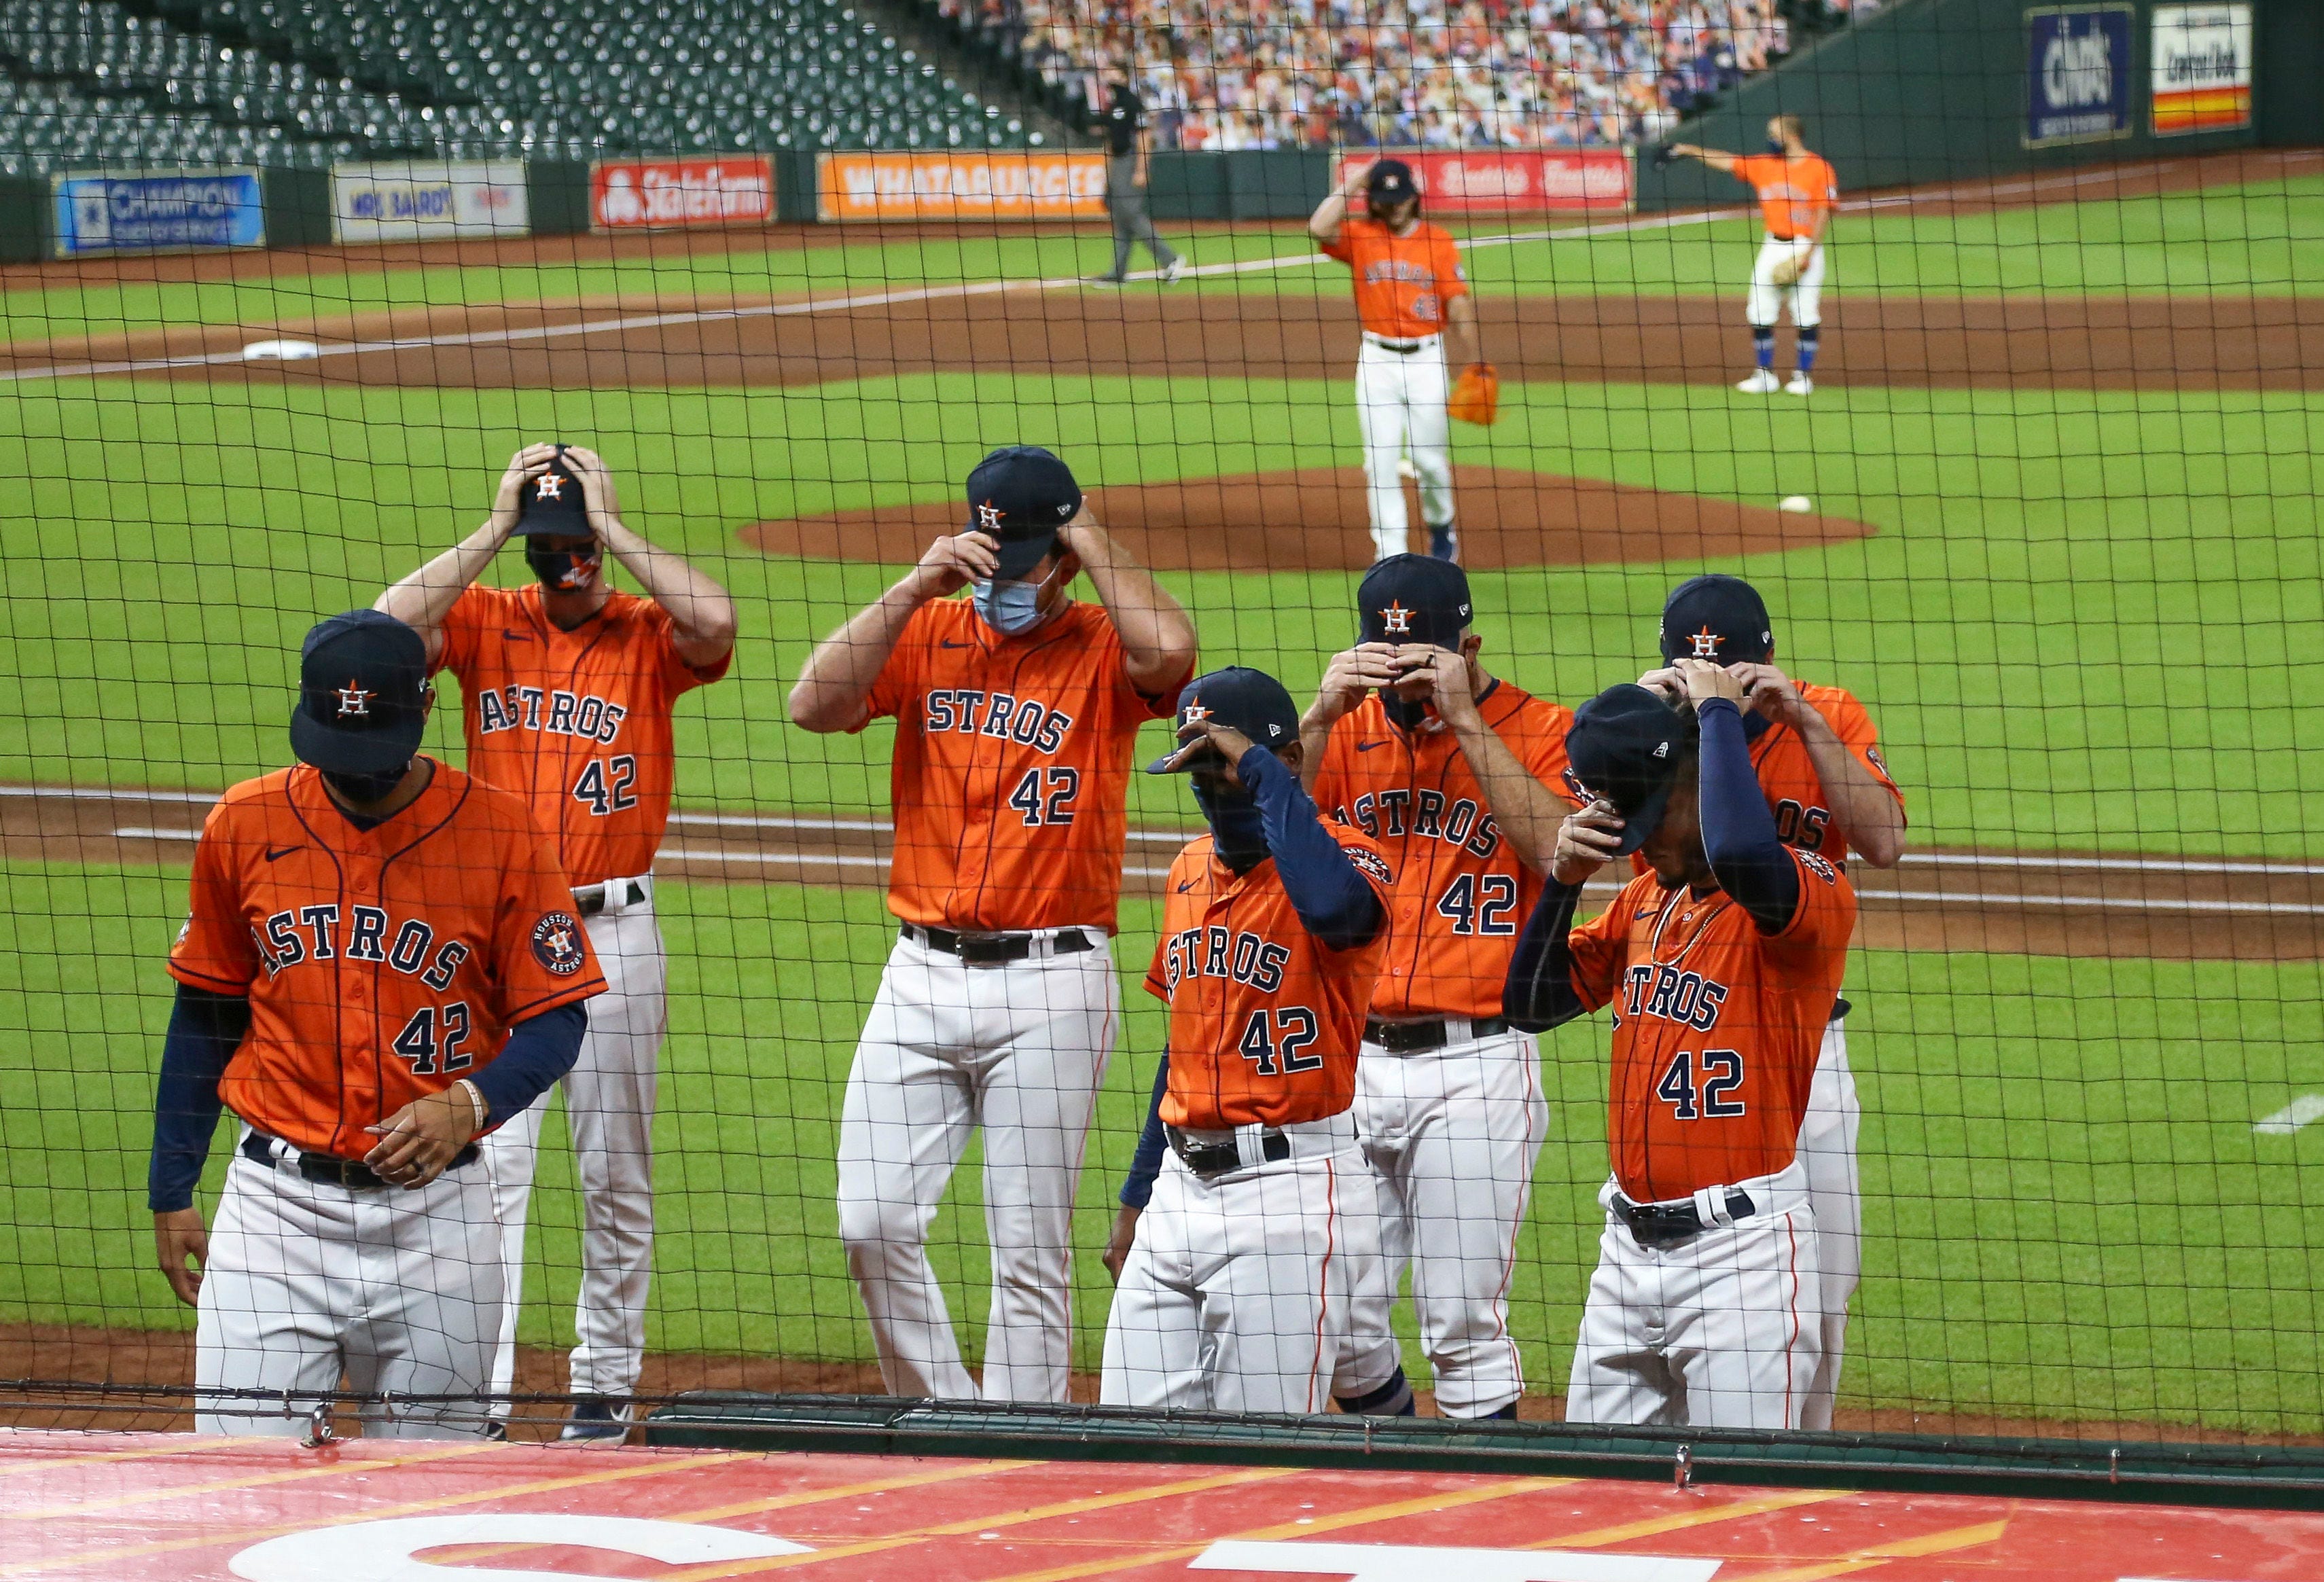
[351, 1174]
[994, 949]
[591, 904]
[1210, 1159]
[1401, 348]
[1411, 1037]
[1665, 1225]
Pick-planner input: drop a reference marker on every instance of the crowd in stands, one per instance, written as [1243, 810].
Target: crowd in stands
[1241, 74]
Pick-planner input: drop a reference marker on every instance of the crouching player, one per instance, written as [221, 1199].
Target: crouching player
[1726, 955]
[1235, 1279]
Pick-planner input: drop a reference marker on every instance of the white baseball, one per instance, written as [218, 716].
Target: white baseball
[1795, 503]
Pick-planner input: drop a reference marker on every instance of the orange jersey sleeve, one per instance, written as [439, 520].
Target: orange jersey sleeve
[1793, 194]
[576, 722]
[1463, 892]
[381, 965]
[1010, 782]
[1265, 1022]
[1795, 793]
[1717, 1028]
[1402, 282]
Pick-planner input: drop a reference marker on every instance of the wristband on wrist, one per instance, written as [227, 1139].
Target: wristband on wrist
[476, 1106]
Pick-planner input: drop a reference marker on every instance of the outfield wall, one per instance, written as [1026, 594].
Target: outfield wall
[1938, 90]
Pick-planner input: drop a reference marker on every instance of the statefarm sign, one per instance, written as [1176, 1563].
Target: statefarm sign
[1010, 185]
[1513, 181]
[636, 194]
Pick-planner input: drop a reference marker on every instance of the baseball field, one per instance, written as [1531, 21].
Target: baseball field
[2062, 540]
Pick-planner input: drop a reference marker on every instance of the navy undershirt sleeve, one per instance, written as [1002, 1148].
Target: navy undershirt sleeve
[205, 1030]
[1331, 899]
[1539, 992]
[1138, 1190]
[539, 1050]
[1739, 833]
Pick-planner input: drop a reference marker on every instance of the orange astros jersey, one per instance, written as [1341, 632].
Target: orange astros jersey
[1402, 282]
[1717, 1028]
[1792, 193]
[381, 965]
[1462, 894]
[1265, 1022]
[577, 723]
[1011, 772]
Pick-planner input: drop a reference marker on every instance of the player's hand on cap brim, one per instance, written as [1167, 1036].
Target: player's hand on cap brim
[597, 481]
[1667, 682]
[960, 558]
[523, 467]
[1704, 680]
[1590, 838]
[1199, 741]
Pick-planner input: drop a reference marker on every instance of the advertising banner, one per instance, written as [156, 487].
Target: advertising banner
[1478, 181]
[1011, 184]
[421, 201]
[638, 195]
[2202, 69]
[2077, 74]
[145, 214]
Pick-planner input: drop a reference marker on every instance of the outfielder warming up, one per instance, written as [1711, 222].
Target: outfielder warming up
[1236, 1267]
[1725, 959]
[1410, 288]
[1460, 778]
[1015, 712]
[1797, 191]
[380, 964]
[567, 688]
[1817, 760]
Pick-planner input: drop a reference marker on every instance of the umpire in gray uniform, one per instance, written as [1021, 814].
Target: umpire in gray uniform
[1123, 121]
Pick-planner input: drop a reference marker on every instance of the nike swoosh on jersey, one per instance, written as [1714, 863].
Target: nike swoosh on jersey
[949, 643]
[275, 855]
[1368, 746]
[510, 634]
[1185, 884]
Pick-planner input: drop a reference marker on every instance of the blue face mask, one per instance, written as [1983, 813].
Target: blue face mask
[1775, 145]
[1009, 608]
[1236, 825]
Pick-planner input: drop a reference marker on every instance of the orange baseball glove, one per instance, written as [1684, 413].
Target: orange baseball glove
[1476, 395]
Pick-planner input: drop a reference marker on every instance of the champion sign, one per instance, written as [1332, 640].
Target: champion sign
[2078, 74]
[635, 194]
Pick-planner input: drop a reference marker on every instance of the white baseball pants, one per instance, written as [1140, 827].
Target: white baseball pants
[1452, 1135]
[609, 1105]
[1018, 1050]
[399, 1290]
[1401, 400]
[1767, 300]
[1719, 1331]
[1828, 1153]
[1235, 1295]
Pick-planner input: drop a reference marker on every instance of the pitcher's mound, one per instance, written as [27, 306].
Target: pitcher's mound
[1315, 519]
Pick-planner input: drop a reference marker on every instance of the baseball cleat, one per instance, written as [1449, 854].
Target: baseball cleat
[1405, 469]
[1173, 269]
[1801, 384]
[598, 1420]
[496, 1430]
[1444, 543]
[1763, 382]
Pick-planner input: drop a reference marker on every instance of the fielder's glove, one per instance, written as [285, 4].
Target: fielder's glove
[1788, 270]
[1476, 396]
[1663, 157]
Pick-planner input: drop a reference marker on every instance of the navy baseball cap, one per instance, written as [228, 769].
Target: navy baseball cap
[1626, 746]
[1250, 701]
[1718, 618]
[1414, 599]
[550, 506]
[1021, 495]
[363, 694]
[1390, 181]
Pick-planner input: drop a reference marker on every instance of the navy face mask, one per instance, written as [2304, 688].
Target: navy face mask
[362, 790]
[561, 570]
[1236, 825]
[1775, 145]
[1406, 713]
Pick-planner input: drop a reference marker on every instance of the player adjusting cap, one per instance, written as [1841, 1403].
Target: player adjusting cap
[1414, 599]
[1718, 618]
[550, 506]
[1390, 181]
[1021, 495]
[1249, 701]
[363, 694]
[1626, 746]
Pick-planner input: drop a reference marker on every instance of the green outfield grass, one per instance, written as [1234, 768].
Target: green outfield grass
[2066, 1210]
[2076, 620]
[2265, 239]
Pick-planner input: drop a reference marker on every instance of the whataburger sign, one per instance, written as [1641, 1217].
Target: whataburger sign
[2202, 69]
[1014, 185]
